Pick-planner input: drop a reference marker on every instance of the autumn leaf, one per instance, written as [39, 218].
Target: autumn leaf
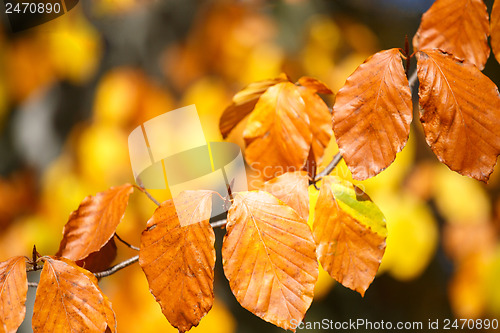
[292, 189]
[269, 258]
[93, 224]
[314, 85]
[100, 260]
[179, 260]
[350, 233]
[244, 103]
[495, 29]
[372, 114]
[460, 27]
[13, 290]
[460, 113]
[68, 299]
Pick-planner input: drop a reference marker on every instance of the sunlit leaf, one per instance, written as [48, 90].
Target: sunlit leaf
[93, 224]
[269, 258]
[372, 114]
[100, 260]
[68, 299]
[460, 113]
[13, 289]
[459, 27]
[350, 233]
[179, 260]
[291, 188]
[315, 85]
[495, 29]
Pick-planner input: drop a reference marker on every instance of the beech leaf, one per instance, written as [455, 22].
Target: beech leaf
[93, 224]
[372, 114]
[314, 84]
[350, 233]
[460, 113]
[460, 27]
[269, 258]
[13, 290]
[495, 29]
[68, 299]
[179, 260]
[100, 260]
[292, 189]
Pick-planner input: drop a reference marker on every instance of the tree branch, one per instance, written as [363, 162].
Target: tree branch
[143, 190]
[32, 284]
[117, 267]
[413, 79]
[217, 224]
[329, 168]
[126, 243]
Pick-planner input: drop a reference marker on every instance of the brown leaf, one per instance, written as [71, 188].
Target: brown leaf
[495, 29]
[179, 260]
[93, 224]
[459, 27]
[244, 103]
[100, 260]
[314, 84]
[292, 189]
[350, 233]
[460, 113]
[13, 290]
[68, 299]
[277, 133]
[269, 258]
[372, 114]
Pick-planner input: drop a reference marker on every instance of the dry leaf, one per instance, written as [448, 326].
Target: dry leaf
[93, 224]
[460, 113]
[314, 84]
[277, 133]
[244, 103]
[13, 290]
[460, 27]
[495, 29]
[350, 233]
[100, 260]
[292, 189]
[179, 260]
[68, 299]
[269, 258]
[372, 114]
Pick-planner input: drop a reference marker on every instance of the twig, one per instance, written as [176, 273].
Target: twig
[217, 224]
[413, 79]
[32, 284]
[143, 190]
[127, 243]
[329, 168]
[117, 267]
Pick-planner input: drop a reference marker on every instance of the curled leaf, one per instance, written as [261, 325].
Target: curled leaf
[350, 233]
[460, 27]
[460, 113]
[372, 114]
[179, 260]
[269, 258]
[13, 290]
[93, 224]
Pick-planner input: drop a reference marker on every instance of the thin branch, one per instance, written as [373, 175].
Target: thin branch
[329, 168]
[127, 243]
[117, 267]
[32, 284]
[217, 224]
[413, 79]
[142, 189]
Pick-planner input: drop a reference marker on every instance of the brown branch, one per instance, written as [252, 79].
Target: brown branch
[117, 267]
[32, 284]
[329, 168]
[126, 243]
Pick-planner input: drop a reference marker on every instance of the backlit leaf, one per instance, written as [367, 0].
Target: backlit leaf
[13, 289]
[350, 233]
[459, 27]
[460, 113]
[68, 299]
[93, 224]
[495, 29]
[100, 260]
[314, 84]
[372, 114]
[277, 133]
[244, 103]
[269, 258]
[291, 188]
[179, 260]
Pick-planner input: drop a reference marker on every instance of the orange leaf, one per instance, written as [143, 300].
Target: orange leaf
[269, 258]
[68, 299]
[179, 260]
[350, 233]
[100, 260]
[460, 113]
[292, 189]
[459, 27]
[372, 114]
[495, 29]
[93, 224]
[244, 103]
[13, 290]
[314, 84]
[277, 133]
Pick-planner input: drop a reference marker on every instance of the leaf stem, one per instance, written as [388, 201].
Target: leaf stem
[126, 243]
[117, 267]
[329, 168]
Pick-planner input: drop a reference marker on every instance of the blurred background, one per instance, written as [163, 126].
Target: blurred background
[71, 91]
